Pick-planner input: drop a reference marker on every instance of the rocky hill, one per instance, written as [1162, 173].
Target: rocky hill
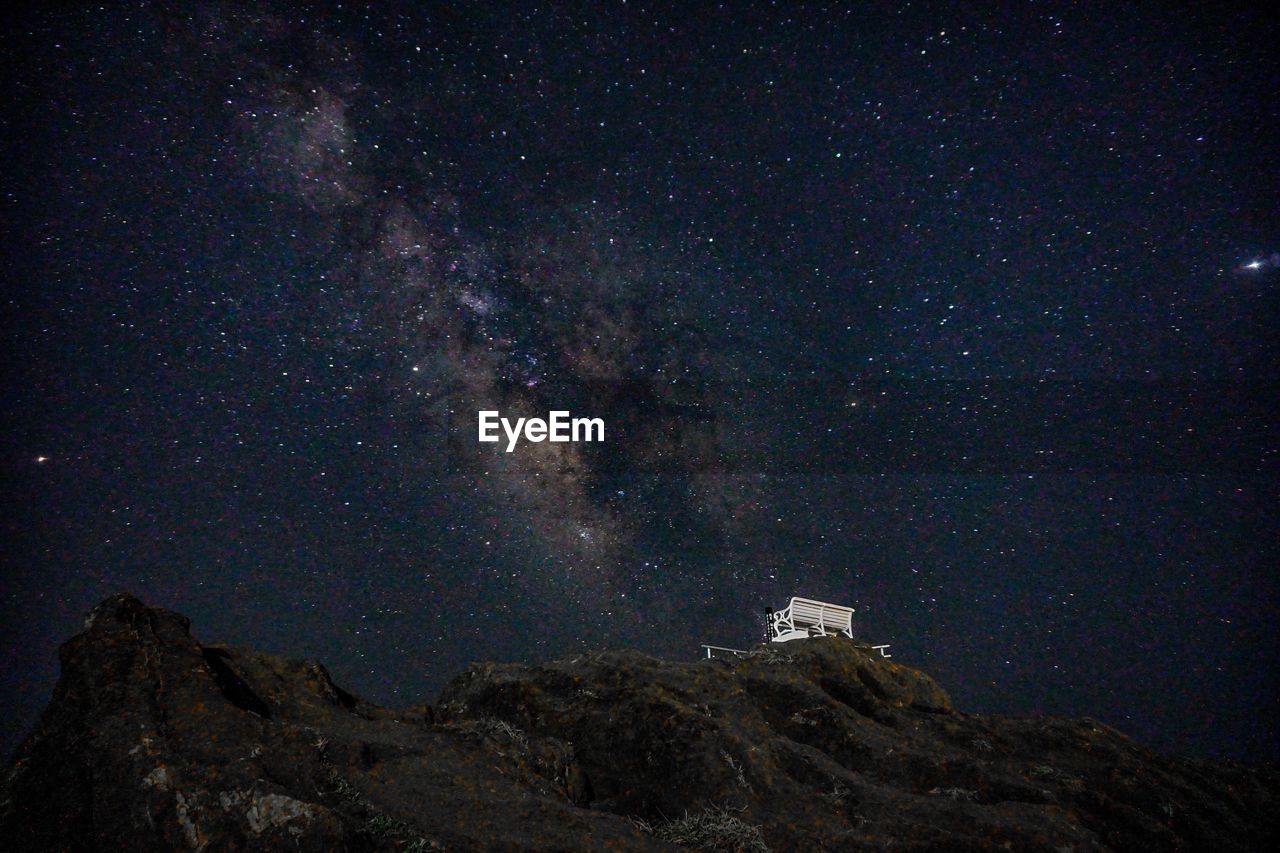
[155, 741]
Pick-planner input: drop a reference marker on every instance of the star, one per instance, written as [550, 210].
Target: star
[1267, 262]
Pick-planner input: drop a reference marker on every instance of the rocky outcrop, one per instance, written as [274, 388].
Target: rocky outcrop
[154, 741]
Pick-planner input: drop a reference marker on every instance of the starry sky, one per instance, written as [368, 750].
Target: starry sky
[961, 314]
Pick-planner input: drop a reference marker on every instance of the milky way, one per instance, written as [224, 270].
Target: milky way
[569, 305]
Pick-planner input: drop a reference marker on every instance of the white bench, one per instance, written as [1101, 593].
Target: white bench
[804, 617]
[800, 619]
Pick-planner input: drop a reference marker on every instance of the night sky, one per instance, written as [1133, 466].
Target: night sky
[963, 315]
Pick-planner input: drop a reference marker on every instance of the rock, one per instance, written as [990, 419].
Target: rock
[154, 741]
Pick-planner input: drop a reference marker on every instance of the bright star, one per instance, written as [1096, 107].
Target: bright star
[1264, 263]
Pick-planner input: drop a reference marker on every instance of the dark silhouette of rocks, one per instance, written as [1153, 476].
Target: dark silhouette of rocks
[155, 741]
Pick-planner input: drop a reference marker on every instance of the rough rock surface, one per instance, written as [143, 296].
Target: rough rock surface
[154, 741]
